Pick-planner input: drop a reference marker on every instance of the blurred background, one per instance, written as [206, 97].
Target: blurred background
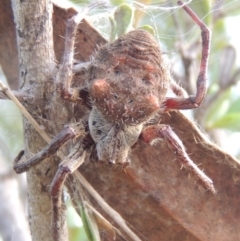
[180, 41]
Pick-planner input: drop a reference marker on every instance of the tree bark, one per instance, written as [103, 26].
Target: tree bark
[36, 61]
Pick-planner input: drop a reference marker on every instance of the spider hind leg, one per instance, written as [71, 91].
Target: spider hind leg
[165, 132]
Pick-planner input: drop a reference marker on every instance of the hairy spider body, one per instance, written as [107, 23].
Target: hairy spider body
[127, 84]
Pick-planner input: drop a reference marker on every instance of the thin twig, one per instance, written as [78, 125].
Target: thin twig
[11, 96]
[17, 93]
[3, 96]
[108, 209]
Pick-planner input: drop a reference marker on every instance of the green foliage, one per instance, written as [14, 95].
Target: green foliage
[82, 2]
[229, 121]
[121, 21]
[75, 227]
[224, 112]
[89, 224]
[218, 109]
[149, 29]
[11, 130]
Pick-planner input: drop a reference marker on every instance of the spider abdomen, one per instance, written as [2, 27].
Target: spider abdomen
[128, 79]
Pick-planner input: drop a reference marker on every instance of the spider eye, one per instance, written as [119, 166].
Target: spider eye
[129, 101]
[117, 71]
[115, 96]
[146, 81]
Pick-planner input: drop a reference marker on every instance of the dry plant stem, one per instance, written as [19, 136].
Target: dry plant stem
[11, 96]
[165, 132]
[195, 101]
[110, 211]
[18, 94]
[57, 199]
[3, 95]
[102, 222]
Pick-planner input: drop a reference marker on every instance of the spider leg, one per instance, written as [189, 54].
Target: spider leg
[66, 167]
[194, 101]
[69, 132]
[177, 90]
[66, 70]
[152, 133]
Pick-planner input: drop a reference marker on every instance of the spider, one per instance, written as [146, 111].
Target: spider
[126, 89]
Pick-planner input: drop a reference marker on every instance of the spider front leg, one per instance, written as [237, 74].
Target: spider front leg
[152, 133]
[69, 165]
[69, 132]
[66, 70]
[66, 167]
[194, 101]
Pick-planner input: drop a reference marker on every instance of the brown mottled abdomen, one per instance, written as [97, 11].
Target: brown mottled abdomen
[128, 79]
